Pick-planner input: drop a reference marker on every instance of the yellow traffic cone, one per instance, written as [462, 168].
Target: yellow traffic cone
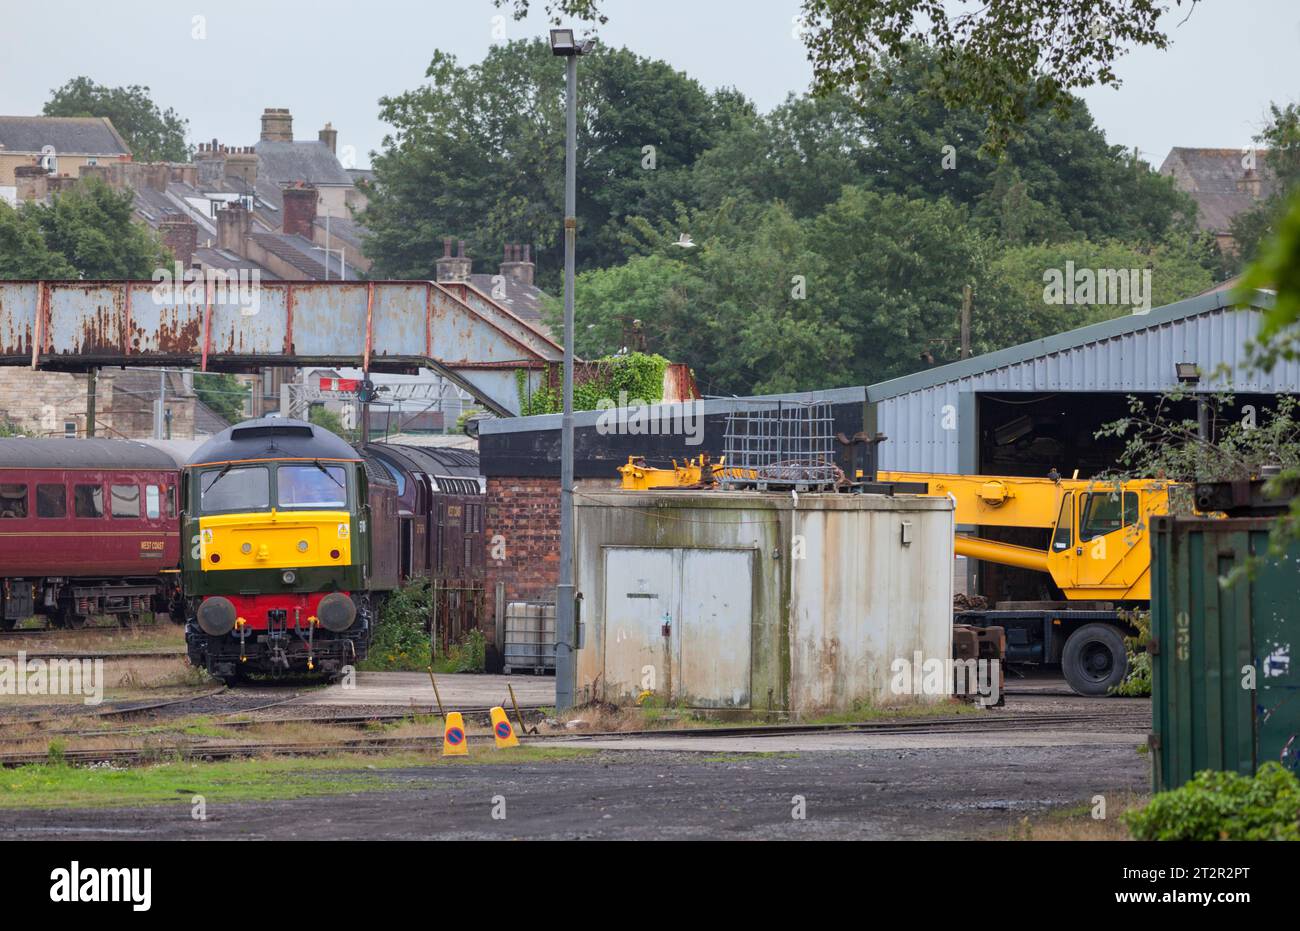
[502, 730]
[453, 738]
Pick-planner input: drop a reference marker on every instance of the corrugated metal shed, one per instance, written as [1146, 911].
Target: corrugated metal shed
[930, 417]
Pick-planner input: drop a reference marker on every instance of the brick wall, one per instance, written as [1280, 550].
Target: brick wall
[526, 513]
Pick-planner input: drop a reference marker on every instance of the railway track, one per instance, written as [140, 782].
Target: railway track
[81, 631]
[966, 724]
[79, 655]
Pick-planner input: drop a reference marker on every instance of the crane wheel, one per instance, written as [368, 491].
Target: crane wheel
[1094, 659]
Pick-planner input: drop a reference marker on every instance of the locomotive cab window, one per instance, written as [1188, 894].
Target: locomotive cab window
[88, 500]
[51, 501]
[247, 488]
[13, 501]
[311, 486]
[126, 501]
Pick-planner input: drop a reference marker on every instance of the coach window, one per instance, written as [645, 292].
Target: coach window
[126, 501]
[88, 501]
[13, 501]
[152, 502]
[171, 500]
[51, 501]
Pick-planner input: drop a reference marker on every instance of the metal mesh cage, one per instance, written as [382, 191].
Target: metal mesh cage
[782, 444]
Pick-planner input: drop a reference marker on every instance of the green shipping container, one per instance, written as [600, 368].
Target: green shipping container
[1209, 638]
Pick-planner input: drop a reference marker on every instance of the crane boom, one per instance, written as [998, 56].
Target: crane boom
[1099, 529]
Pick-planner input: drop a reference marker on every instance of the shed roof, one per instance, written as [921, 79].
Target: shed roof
[1063, 342]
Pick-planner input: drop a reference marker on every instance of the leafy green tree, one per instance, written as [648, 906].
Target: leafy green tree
[93, 227]
[152, 134]
[1006, 59]
[1019, 302]
[900, 266]
[478, 153]
[1059, 179]
[1001, 59]
[23, 252]
[1281, 138]
[765, 302]
[87, 232]
[322, 416]
[222, 392]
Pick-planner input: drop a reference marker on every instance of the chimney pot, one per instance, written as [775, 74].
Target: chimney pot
[453, 267]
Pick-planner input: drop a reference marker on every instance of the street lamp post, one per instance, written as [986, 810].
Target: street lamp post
[565, 44]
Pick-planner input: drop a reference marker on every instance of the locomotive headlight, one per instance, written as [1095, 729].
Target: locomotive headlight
[336, 612]
[246, 548]
[302, 546]
[216, 616]
[289, 577]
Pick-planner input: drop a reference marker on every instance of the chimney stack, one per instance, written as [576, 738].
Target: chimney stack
[277, 125]
[518, 263]
[1250, 183]
[330, 136]
[180, 234]
[210, 160]
[241, 164]
[453, 267]
[232, 228]
[32, 183]
[299, 209]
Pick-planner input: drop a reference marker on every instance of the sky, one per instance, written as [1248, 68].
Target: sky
[220, 64]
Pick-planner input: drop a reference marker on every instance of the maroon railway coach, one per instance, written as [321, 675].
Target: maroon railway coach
[87, 527]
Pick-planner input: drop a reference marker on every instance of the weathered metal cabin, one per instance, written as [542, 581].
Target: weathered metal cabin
[759, 601]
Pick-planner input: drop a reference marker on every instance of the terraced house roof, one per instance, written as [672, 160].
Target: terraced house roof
[69, 135]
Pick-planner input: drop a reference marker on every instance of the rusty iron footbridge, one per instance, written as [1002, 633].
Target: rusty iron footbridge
[377, 326]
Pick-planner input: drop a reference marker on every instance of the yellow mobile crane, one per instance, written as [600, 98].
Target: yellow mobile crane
[1098, 555]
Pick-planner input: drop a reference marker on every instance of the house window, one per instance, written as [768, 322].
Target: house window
[51, 501]
[70, 429]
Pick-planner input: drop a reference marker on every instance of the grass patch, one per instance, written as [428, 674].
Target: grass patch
[57, 785]
[867, 711]
[652, 714]
[1076, 822]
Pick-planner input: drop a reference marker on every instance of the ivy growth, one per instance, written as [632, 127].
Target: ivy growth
[636, 377]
